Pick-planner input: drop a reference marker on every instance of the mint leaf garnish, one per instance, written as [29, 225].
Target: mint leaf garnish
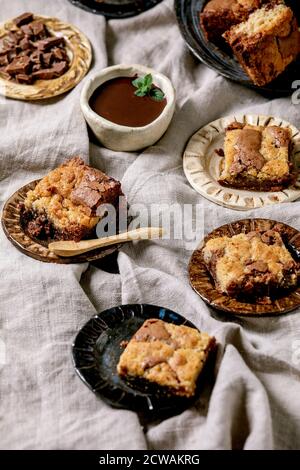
[144, 87]
[157, 94]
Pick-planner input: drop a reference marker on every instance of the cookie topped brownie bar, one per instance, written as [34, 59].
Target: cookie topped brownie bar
[266, 43]
[220, 15]
[251, 264]
[64, 204]
[167, 355]
[258, 157]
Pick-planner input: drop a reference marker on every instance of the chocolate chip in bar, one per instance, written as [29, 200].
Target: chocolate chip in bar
[48, 43]
[25, 18]
[19, 65]
[56, 71]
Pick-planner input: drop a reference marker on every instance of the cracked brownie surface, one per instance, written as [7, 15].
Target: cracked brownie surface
[255, 263]
[266, 43]
[169, 355]
[64, 203]
[257, 157]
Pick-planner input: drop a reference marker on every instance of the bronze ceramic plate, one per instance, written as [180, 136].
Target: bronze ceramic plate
[203, 283]
[80, 54]
[34, 248]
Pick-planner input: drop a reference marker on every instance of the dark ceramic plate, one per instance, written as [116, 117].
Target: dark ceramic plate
[116, 9]
[96, 353]
[203, 284]
[222, 61]
[34, 248]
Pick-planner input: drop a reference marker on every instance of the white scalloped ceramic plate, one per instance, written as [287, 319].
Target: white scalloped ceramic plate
[202, 166]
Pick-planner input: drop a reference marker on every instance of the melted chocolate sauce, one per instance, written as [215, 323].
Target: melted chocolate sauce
[115, 101]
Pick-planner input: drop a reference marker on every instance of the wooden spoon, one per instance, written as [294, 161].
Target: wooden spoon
[71, 248]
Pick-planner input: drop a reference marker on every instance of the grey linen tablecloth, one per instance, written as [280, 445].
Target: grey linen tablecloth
[254, 402]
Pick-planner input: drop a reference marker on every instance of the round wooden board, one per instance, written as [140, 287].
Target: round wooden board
[38, 250]
[202, 166]
[79, 51]
[203, 284]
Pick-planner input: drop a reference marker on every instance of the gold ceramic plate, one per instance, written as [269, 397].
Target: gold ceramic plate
[203, 283]
[33, 248]
[203, 167]
[79, 51]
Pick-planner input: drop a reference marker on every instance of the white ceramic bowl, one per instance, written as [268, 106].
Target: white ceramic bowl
[125, 138]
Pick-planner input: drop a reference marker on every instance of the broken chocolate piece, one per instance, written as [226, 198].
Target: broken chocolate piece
[25, 43]
[4, 60]
[19, 65]
[39, 30]
[30, 52]
[47, 59]
[59, 54]
[23, 19]
[27, 30]
[24, 78]
[48, 43]
[56, 71]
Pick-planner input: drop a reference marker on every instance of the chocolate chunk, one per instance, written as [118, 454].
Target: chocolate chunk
[36, 67]
[280, 136]
[12, 38]
[220, 152]
[270, 237]
[27, 53]
[4, 60]
[47, 59]
[48, 43]
[19, 65]
[59, 54]
[27, 30]
[25, 43]
[36, 57]
[39, 30]
[152, 329]
[24, 78]
[56, 71]
[259, 266]
[23, 19]
[248, 153]
[235, 125]
[86, 196]
[12, 55]
[151, 362]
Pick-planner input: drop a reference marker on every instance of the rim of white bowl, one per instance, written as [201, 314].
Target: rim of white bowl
[90, 86]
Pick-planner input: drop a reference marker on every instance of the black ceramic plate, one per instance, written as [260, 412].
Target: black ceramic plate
[116, 9]
[222, 61]
[96, 353]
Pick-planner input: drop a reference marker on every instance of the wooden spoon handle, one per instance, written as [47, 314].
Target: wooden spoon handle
[71, 248]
